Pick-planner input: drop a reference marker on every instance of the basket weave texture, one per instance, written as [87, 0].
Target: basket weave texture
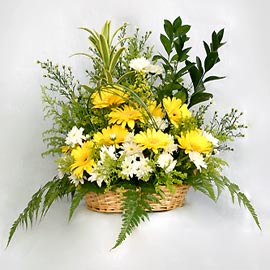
[110, 202]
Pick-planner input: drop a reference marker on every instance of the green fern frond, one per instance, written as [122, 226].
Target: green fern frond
[242, 199]
[75, 202]
[40, 203]
[135, 203]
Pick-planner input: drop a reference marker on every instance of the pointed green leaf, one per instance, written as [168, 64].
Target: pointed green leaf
[166, 43]
[210, 60]
[213, 78]
[168, 29]
[177, 23]
[220, 34]
[199, 64]
[106, 31]
[206, 48]
[105, 51]
[199, 97]
[115, 58]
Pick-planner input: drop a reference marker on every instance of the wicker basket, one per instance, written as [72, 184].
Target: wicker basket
[110, 202]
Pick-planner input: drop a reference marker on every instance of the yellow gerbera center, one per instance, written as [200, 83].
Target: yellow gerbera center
[125, 116]
[83, 161]
[175, 110]
[195, 141]
[111, 135]
[108, 96]
[152, 139]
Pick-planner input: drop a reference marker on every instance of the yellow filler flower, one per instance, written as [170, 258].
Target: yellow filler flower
[152, 139]
[83, 161]
[125, 116]
[195, 141]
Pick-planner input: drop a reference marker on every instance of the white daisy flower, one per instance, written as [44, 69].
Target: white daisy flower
[211, 138]
[131, 148]
[75, 136]
[135, 166]
[95, 176]
[76, 181]
[161, 123]
[171, 147]
[166, 162]
[127, 166]
[139, 64]
[107, 151]
[142, 168]
[197, 159]
[155, 69]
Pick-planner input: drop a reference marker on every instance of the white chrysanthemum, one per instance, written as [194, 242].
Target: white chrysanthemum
[171, 147]
[60, 173]
[135, 166]
[131, 148]
[155, 69]
[75, 180]
[95, 176]
[75, 136]
[139, 64]
[107, 151]
[129, 137]
[127, 166]
[211, 138]
[166, 162]
[197, 159]
[161, 123]
[143, 168]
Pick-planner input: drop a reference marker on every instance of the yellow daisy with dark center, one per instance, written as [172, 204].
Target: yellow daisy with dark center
[175, 110]
[83, 160]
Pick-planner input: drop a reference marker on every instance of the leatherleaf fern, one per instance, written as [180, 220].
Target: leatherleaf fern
[41, 202]
[135, 205]
[44, 197]
[211, 183]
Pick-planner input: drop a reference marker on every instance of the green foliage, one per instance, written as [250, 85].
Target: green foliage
[81, 191]
[65, 103]
[106, 53]
[242, 199]
[211, 182]
[135, 206]
[176, 64]
[41, 201]
[226, 128]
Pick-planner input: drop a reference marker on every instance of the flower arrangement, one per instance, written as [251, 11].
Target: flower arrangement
[132, 127]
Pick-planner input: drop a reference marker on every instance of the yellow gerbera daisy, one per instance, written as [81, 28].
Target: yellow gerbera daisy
[152, 139]
[175, 110]
[155, 109]
[108, 96]
[125, 116]
[195, 141]
[111, 135]
[83, 161]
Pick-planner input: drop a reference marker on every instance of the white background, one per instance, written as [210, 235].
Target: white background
[201, 235]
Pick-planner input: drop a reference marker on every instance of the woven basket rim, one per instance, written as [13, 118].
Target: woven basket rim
[110, 201]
